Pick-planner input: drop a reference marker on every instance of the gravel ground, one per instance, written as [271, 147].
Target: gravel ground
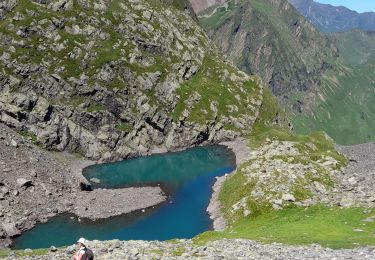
[221, 249]
[358, 179]
[105, 203]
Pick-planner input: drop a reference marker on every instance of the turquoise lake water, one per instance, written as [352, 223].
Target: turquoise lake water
[187, 178]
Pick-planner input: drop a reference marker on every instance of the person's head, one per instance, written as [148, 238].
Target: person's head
[81, 242]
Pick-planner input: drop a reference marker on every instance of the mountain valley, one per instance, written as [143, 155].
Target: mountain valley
[90, 83]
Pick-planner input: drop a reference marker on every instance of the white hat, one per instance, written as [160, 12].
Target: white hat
[82, 241]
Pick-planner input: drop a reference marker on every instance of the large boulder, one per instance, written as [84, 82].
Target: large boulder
[11, 230]
[22, 182]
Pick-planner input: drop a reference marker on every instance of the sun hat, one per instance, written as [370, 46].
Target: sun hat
[82, 241]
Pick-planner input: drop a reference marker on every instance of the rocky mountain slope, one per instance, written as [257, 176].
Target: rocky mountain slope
[325, 80]
[116, 78]
[272, 40]
[328, 18]
[280, 163]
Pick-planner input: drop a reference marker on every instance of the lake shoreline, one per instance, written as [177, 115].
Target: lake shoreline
[98, 203]
[242, 152]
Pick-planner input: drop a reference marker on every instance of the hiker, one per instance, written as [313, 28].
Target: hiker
[83, 252]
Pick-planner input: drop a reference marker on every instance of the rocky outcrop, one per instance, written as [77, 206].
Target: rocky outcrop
[221, 249]
[284, 173]
[300, 173]
[119, 85]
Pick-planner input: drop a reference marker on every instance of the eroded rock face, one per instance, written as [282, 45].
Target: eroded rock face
[114, 79]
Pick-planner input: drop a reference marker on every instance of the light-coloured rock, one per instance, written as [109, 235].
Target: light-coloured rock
[22, 182]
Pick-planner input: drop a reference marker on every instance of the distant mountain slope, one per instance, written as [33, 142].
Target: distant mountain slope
[347, 109]
[271, 39]
[326, 80]
[328, 18]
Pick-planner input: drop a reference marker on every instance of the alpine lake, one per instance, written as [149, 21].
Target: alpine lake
[186, 177]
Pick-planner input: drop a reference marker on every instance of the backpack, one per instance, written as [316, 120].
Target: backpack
[89, 255]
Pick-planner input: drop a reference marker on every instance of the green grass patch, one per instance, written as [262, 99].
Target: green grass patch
[347, 113]
[330, 227]
[28, 135]
[234, 188]
[94, 107]
[124, 127]
[178, 251]
[347, 110]
[21, 253]
[214, 88]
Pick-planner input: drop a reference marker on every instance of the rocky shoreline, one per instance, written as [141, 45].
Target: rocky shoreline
[37, 185]
[242, 153]
[65, 170]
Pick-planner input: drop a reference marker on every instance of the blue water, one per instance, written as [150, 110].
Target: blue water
[187, 178]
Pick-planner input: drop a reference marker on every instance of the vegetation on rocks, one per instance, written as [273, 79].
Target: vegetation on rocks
[289, 190]
[117, 78]
[326, 81]
[332, 227]
[283, 169]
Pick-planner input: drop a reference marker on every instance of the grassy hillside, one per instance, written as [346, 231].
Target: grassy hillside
[251, 210]
[346, 110]
[271, 39]
[327, 82]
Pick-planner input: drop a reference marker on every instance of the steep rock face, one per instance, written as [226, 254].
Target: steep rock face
[269, 38]
[113, 79]
[200, 5]
[328, 18]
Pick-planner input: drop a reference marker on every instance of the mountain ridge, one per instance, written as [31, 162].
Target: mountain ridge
[328, 18]
[272, 40]
[300, 64]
